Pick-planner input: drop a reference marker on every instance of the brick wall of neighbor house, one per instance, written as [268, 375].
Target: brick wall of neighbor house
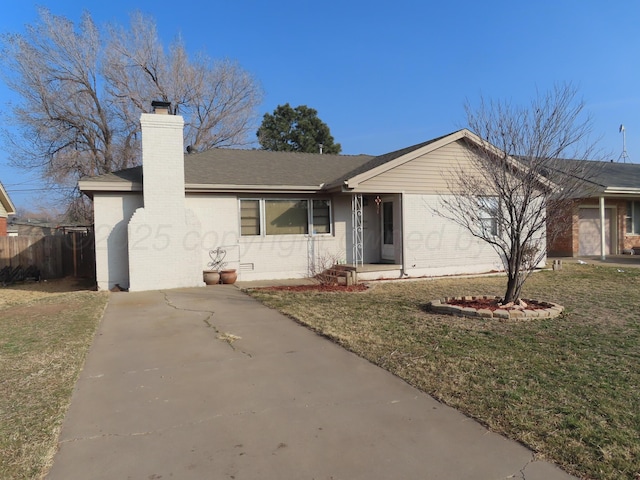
[620, 210]
[3, 221]
[565, 242]
[569, 244]
[627, 241]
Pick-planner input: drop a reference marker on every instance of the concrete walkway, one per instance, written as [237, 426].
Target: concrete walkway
[209, 384]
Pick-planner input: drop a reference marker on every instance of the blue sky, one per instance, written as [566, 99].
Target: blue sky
[386, 75]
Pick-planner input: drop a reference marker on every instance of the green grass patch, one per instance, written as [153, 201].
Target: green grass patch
[44, 337]
[569, 388]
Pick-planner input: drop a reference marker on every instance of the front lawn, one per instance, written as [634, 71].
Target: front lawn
[45, 332]
[569, 388]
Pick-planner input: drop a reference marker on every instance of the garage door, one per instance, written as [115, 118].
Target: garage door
[589, 231]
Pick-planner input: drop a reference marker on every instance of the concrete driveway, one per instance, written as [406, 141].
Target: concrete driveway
[209, 384]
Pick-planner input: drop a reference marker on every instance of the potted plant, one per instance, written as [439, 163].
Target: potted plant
[228, 276]
[211, 277]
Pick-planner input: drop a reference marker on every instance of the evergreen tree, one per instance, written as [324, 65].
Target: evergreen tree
[296, 130]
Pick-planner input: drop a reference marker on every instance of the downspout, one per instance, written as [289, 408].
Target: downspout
[602, 230]
[402, 235]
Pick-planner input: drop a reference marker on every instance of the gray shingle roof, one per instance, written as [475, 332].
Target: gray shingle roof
[236, 167]
[260, 167]
[610, 174]
[220, 166]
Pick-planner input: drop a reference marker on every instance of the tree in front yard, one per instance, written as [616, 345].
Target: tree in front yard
[520, 175]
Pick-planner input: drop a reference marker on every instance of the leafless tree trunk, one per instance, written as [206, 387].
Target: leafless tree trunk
[502, 191]
[81, 97]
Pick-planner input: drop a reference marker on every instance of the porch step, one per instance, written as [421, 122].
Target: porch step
[339, 275]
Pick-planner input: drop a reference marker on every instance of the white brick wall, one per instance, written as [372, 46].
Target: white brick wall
[260, 257]
[163, 163]
[166, 253]
[218, 215]
[159, 254]
[112, 214]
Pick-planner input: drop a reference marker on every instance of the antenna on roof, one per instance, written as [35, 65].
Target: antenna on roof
[624, 156]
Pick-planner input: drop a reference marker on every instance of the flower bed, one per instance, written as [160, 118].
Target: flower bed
[490, 307]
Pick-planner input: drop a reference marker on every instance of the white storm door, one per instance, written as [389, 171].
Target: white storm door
[388, 250]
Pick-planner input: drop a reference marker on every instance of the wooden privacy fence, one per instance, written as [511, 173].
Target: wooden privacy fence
[55, 256]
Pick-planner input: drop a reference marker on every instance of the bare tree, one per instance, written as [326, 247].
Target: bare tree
[218, 99]
[520, 172]
[80, 97]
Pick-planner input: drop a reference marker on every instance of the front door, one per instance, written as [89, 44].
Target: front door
[388, 250]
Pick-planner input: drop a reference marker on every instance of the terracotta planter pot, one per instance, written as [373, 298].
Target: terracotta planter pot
[211, 278]
[228, 276]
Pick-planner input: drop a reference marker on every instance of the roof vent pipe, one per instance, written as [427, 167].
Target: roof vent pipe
[160, 107]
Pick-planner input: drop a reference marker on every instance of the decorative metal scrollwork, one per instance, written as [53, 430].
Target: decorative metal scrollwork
[217, 259]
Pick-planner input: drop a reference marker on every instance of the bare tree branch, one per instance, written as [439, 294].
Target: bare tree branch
[501, 192]
[81, 96]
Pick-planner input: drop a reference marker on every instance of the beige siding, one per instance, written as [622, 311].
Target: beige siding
[3, 211]
[426, 174]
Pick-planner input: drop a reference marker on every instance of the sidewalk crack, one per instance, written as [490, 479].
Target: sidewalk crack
[521, 474]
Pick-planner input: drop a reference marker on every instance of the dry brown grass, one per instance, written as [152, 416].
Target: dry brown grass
[569, 387]
[45, 332]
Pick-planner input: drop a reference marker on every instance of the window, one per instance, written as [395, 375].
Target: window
[249, 217]
[284, 217]
[321, 217]
[489, 208]
[632, 219]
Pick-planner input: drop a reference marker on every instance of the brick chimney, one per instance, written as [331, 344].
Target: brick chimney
[163, 160]
[158, 257]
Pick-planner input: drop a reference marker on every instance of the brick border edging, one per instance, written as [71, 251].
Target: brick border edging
[551, 310]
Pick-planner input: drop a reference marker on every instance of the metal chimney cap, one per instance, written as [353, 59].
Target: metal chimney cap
[160, 105]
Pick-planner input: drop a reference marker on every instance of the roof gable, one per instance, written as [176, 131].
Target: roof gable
[6, 202]
[389, 161]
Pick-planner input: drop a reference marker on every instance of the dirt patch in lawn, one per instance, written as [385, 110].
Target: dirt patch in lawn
[24, 293]
[36, 310]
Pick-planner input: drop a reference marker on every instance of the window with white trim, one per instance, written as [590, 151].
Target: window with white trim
[488, 215]
[632, 218]
[284, 216]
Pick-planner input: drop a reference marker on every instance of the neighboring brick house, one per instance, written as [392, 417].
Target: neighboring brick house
[614, 195]
[6, 209]
[278, 214]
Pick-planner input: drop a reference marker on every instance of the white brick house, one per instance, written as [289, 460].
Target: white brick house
[278, 214]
